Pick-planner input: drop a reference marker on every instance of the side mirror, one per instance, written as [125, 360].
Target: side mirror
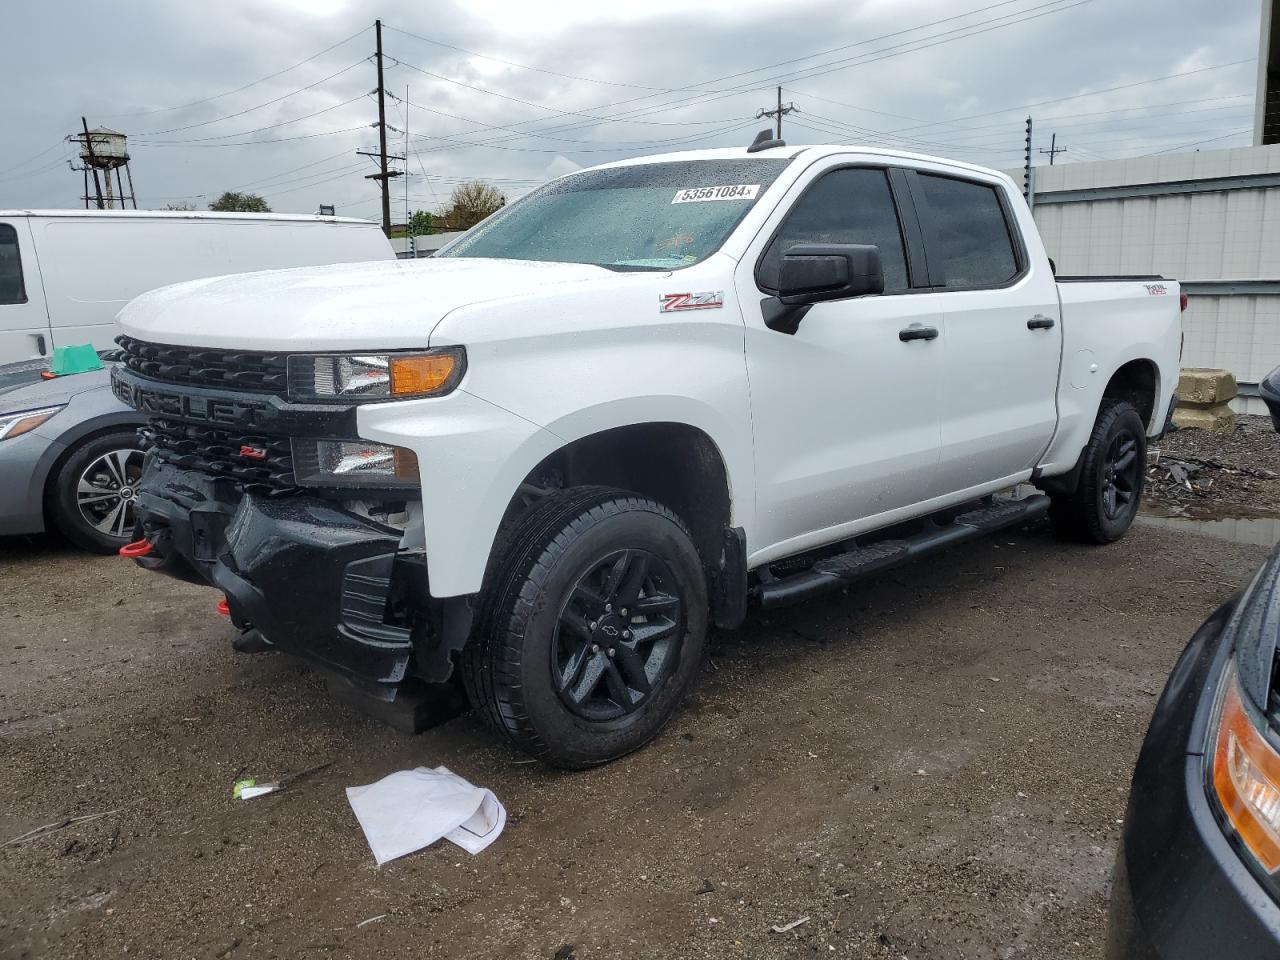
[819, 272]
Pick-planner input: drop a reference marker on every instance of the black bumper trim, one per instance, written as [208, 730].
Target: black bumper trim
[312, 578]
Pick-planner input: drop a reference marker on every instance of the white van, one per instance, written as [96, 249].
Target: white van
[64, 274]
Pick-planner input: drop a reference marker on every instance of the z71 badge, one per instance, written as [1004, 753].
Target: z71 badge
[707, 300]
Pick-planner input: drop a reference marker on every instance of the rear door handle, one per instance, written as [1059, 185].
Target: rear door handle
[1040, 322]
[917, 332]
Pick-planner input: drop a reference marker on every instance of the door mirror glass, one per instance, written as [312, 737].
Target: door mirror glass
[819, 272]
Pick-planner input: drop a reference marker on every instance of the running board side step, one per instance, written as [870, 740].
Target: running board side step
[844, 568]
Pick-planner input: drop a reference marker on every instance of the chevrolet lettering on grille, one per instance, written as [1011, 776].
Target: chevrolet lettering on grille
[183, 406]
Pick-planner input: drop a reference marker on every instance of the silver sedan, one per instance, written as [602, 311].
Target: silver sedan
[69, 456]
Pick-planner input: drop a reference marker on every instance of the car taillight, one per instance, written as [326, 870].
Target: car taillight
[1182, 301]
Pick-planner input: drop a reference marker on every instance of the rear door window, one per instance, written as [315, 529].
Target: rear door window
[12, 289]
[850, 205]
[971, 234]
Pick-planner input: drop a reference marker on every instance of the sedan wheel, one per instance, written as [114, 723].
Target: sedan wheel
[106, 489]
[90, 494]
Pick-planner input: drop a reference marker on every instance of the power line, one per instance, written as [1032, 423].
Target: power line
[525, 66]
[254, 83]
[630, 115]
[259, 106]
[498, 126]
[1078, 96]
[42, 153]
[254, 143]
[270, 126]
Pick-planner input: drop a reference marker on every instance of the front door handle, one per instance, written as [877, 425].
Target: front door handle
[1040, 322]
[917, 332]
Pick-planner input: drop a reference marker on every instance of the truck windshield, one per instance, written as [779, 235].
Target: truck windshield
[652, 216]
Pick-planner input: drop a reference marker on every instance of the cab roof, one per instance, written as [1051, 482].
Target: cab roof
[182, 215]
[793, 152]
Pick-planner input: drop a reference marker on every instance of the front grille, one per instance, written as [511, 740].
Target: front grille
[258, 463]
[204, 367]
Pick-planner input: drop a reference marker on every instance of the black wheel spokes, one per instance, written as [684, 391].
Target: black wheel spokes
[1121, 475]
[617, 636]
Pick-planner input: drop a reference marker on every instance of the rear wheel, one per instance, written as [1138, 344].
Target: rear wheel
[1104, 504]
[90, 499]
[593, 627]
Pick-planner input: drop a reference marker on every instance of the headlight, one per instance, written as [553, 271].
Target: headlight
[353, 463]
[375, 376]
[16, 424]
[1245, 746]
[1246, 777]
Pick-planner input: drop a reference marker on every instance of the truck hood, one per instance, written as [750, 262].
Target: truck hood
[358, 306]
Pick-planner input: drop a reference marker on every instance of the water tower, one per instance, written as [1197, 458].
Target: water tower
[103, 152]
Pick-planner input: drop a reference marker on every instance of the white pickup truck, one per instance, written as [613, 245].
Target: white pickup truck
[624, 408]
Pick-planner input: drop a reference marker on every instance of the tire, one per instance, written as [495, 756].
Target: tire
[1114, 465]
[89, 499]
[566, 688]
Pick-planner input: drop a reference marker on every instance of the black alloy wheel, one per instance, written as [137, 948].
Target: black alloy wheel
[591, 626]
[1120, 474]
[618, 637]
[1108, 489]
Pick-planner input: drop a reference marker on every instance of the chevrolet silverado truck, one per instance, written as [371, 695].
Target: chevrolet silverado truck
[626, 407]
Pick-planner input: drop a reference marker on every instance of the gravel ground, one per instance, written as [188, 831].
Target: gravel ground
[930, 765]
[1213, 473]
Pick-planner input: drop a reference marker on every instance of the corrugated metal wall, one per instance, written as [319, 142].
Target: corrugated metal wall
[1232, 233]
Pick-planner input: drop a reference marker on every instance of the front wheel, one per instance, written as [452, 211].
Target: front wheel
[593, 627]
[90, 498]
[1114, 466]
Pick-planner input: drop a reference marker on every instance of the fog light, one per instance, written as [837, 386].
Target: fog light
[353, 463]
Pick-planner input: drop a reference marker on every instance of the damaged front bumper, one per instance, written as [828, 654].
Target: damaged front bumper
[312, 578]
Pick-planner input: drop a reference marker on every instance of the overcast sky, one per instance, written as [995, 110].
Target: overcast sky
[515, 92]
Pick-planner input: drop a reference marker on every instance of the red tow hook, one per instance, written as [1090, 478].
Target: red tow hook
[224, 608]
[139, 548]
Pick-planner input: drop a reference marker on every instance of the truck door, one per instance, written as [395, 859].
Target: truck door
[844, 411]
[1004, 333]
[24, 323]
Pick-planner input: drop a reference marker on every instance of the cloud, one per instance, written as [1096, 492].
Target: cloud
[571, 84]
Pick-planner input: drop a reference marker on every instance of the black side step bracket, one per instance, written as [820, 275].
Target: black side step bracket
[861, 561]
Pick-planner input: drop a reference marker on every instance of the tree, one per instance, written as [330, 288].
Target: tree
[471, 202]
[421, 223]
[180, 205]
[232, 202]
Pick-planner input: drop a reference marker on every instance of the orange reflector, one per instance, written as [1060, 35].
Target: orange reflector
[1246, 776]
[423, 374]
[405, 463]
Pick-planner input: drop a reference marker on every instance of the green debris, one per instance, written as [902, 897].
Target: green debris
[78, 358]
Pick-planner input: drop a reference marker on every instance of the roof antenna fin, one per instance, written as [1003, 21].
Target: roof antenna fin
[765, 141]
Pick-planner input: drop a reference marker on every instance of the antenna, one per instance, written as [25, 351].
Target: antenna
[765, 140]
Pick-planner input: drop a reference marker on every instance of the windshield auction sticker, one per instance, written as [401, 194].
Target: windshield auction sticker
[733, 191]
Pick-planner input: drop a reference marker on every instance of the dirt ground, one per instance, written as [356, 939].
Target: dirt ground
[933, 764]
[1210, 473]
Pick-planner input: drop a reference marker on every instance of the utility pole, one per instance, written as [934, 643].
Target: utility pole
[1054, 149]
[413, 243]
[1028, 173]
[97, 187]
[778, 112]
[383, 176]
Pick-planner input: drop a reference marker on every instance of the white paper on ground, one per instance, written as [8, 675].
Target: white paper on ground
[412, 809]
